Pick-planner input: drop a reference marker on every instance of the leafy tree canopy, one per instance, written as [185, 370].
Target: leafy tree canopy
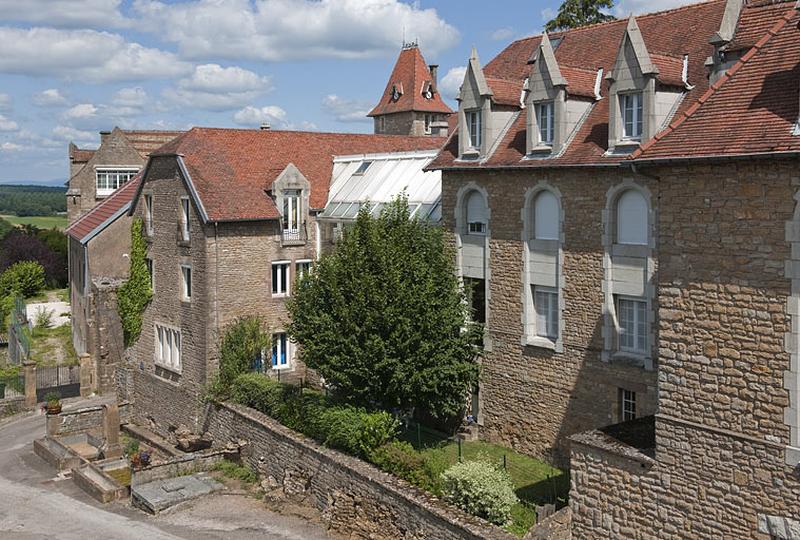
[381, 318]
[576, 13]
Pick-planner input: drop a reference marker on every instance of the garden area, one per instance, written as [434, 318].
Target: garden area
[384, 322]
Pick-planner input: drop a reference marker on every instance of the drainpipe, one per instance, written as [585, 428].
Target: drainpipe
[317, 240]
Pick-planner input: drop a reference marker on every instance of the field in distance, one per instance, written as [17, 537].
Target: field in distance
[42, 222]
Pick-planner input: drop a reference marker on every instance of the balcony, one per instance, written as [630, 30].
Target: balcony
[294, 237]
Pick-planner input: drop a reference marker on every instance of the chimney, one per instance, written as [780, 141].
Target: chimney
[434, 69]
[265, 126]
[103, 136]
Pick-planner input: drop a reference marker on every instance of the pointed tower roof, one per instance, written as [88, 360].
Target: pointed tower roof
[408, 85]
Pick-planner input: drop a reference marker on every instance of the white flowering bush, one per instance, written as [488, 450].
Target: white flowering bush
[481, 489]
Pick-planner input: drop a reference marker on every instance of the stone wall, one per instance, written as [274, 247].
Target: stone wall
[533, 398]
[11, 406]
[107, 345]
[354, 498]
[85, 420]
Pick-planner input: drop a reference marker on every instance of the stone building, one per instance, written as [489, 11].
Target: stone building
[557, 243]
[411, 103]
[720, 457]
[95, 174]
[231, 220]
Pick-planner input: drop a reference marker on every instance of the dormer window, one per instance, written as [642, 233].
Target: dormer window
[544, 119]
[631, 107]
[291, 214]
[474, 128]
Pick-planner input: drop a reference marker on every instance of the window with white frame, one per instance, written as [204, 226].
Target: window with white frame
[168, 348]
[474, 122]
[148, 214]
[544, 119]
[632, 315]
[545, 302]
[301, 268]
[281, 358]
[429, 119]
[108, 180]
[291, 211]
[546, 218]
[627, 405]
[280, 278]
[631, 108]
[476, 213]
[186, 283]
[185, 219]
[632, 223]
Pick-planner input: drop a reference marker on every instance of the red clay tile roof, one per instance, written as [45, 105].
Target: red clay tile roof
[101, 213]
[80, 155]
[232, 169]
[410, 73]
[504, 91]
[580, 82]
[146, 141]
[684, 30]
[670, 69]
[752, 109]
[755, 20]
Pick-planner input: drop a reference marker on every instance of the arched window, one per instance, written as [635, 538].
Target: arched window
[545, 216]
[476, 213]
[632, 225]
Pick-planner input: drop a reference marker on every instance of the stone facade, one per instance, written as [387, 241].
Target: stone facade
[231, 264]
[723, 438]
[533, 398]
[410, 123]
[355, 499]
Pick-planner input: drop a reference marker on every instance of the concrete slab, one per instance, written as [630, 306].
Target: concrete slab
[59, 311]
[159, 495]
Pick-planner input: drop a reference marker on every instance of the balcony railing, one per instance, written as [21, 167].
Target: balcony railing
[293, 237]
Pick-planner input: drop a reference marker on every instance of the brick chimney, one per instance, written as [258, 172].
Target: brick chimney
[434, 69]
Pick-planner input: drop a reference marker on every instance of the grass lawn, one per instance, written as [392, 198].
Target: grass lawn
[53, 346]
[536, 482]
[52, 295]
[42, 222]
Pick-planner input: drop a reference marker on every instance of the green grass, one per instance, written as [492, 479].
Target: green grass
[234, 471]
[62, 295]
[42, 222]
[52, 346]
[535, 481]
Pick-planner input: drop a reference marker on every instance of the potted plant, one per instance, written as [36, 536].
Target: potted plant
[53, 401]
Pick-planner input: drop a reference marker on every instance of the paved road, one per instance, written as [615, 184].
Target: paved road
[35, 502]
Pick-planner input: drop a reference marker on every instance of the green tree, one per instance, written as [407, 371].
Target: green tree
[243, 340]
[576, 13]
[136, 292]
[382, 317]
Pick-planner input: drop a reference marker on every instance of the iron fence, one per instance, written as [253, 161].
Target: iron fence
[62, 380]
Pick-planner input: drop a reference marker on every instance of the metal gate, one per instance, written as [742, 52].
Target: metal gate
[62, 380]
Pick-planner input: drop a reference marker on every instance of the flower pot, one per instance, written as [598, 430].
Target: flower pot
[54, 409]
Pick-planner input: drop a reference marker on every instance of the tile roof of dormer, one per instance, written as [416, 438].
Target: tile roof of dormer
[668, 36]
[231, 170]
[411, 76]
[751, 110]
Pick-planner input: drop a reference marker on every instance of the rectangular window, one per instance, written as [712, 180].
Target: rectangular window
[429, 119]
[545, 302]
[631, 106]
[301, 268]
[477, 227]
[280, 351]
[475, 290]
[148, 214]
[474, 128]
[544, 119]
[185, 219]
[149, 262]
[632, 315]
[108, 180]
[280, 278]
[627, 405]
[186, 289]
[291, 215]
[168, 348]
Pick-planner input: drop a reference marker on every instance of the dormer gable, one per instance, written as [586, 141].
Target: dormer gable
[474, 108]
[720, 60]
[545, 72]
[633, 60]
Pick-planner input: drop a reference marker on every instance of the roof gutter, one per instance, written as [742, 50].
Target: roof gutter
[645, 162]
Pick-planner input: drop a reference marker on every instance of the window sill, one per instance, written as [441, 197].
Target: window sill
[472, 153]
[184, 243]
[539, 342]
[186, 300]
[542, 149]
[631, 358]
[168, 369]
[280, 295]
[287, 367]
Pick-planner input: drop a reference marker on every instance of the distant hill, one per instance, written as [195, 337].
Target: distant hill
[32, 200]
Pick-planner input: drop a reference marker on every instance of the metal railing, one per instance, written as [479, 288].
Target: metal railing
[294, 236]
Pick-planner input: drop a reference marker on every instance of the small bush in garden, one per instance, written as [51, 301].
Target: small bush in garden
[356, 431]
[26, 278]
[258, 392]
[235, 471]
[243, 340]
[481, 489]
[44, 318]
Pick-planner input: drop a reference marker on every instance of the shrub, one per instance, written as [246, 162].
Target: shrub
[356, 431]
[43, 318]
[25, 277]
[423, 469]
[481, 489]
[243, 340]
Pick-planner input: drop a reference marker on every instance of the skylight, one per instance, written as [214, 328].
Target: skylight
[362, 168]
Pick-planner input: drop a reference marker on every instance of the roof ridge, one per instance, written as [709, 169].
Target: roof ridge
[579, 68]
[719, 83]
[615, 21]
[304, 132]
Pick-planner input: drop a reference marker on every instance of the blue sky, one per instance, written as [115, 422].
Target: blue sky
[70, 68]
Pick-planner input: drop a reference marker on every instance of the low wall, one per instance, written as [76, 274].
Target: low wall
[85, 420]
[180, 466]
[11, 406]
[353, 497]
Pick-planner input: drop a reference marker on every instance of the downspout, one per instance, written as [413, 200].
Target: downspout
[317, 240]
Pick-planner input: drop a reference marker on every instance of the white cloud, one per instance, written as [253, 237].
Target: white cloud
[84, 55]
[255, 116]
[11, 147]
[51, 97]
[276, 30]
[213, 87]
[450, 84]
[66, 133]
[7, 124]
[547, 14]
[134, 98]
[502, 34]
[80, 111]
[345, 110]
[64, 13]
[635, 7]
[5, 102]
